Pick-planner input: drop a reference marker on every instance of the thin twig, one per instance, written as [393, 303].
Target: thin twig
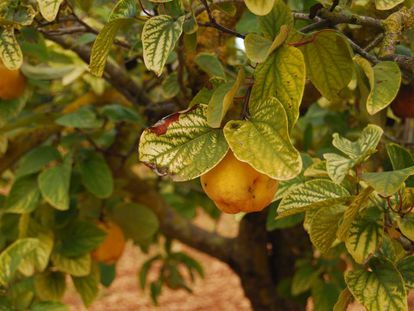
[144, 9]
[213, 23]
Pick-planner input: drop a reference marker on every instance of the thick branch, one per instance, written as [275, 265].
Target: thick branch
[23, 142]
[118, 77]
[394, 25]
[175, 226]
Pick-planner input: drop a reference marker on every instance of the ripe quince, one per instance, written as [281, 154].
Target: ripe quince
[12, 83]
[111, 249]
[235, 186]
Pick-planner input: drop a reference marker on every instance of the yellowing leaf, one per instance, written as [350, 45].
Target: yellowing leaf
[356, 152]
[121, 15]
[384, 82]
[282, 76]
[406, 225]
[406, 268]
[182, 145]
[265, 133]
[324, 225]
[258, 48]
[381, 288]
[159, 37]
[49, 8]
[271, 23]
[11, 257]
[351, 212]
[222, 99]
[365, 234]
[329, 62]
[260, 7]
[102, 45]
[387, 183]
[344, 299]
[387, 4]
[10, 52]
[312, 194]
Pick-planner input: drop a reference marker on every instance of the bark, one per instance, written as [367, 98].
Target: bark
[251, 263]
[263, 260]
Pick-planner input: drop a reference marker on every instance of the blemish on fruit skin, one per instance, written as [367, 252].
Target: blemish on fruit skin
[161, 127]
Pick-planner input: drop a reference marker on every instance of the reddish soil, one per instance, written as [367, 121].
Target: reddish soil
[219, 290]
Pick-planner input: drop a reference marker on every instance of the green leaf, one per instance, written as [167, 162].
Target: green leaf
[406, 225]
[406, 267]
[21, 295]
[10, 51]
[36, 159]
[387, 183]
[137, 221]
[311, 195]
[159, 36]
[381, 288]
[360, 201]
[324, 225]
[12, 256]
[259, 48]
[329, 62]
[182, 145]
[222, 100]
[96, 175]
[260, 7]
[384, 82]
[170, 86]
[88, 286]
[77, 266]
[80, 238]
[400, 157]
[49, 306]
[209, 63]
[24, 195]
[50, 285]
[365, 234]
[121, 15]
[85, 117]
[282, 76]
[54, 184]
[303, 278]
[265, 133]
[344, 299]
[107, 274]
[118, 113]
[49, 8]
[387, 4]
[38, 260]
[325, 295]
[271, 23]
[10, 109]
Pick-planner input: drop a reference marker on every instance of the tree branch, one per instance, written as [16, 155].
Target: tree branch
[175, 226]
[23, 142]
[118, 77]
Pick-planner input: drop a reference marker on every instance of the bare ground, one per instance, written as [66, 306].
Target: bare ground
[220, 290]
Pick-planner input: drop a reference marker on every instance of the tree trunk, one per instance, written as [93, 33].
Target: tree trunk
[257, 262]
